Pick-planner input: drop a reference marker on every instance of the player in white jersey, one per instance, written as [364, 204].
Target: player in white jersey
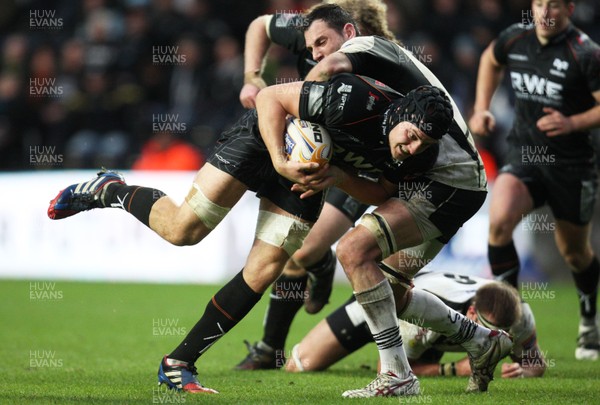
[484, 301]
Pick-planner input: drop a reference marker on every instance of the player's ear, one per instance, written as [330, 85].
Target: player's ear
[471, 313]
[571, 8]
[349, 31]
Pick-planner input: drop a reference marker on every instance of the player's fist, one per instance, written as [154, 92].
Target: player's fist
[482, 123]
[512, 370]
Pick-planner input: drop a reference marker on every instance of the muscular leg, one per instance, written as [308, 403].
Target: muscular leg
[510, 201]
[359, 253]
[179, 224]
[232, 302]
[330, 226]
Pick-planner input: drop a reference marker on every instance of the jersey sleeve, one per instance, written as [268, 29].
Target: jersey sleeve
[368, 53]
[284, 30]
[505, 40]
[590, 66]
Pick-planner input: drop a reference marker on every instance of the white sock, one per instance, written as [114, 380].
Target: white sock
[380, 313]
[428, 311]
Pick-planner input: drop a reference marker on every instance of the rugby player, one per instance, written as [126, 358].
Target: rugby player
[312, 267]
[492, 303]
[555, 74]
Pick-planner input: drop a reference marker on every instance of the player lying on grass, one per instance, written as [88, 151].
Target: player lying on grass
[491, 303]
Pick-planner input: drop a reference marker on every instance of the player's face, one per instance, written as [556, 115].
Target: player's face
[406, 140]
[551, 16]
[322, 40]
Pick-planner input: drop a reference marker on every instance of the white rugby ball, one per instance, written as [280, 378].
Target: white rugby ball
[307, 142]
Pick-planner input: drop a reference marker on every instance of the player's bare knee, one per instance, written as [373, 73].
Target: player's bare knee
[577, 260]
[500, 231]
[349, 254]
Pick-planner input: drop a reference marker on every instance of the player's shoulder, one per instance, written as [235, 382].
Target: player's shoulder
[514, 32]
[367, 43]
[582, 45]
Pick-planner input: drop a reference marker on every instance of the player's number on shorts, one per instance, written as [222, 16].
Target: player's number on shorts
[460, 278]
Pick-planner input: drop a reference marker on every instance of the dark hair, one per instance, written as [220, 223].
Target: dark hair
[332, 14]
[427, 107]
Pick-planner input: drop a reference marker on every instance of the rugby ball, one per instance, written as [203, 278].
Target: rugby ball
[307, 142]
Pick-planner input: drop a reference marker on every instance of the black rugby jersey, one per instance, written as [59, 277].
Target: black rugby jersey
[285, 29]
[351, 107]
[562, 74]
[386, 61]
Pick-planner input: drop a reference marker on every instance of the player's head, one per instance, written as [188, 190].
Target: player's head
[370, 16]
[416, 121]
[496, 305]
[551, 17]
[326, 28]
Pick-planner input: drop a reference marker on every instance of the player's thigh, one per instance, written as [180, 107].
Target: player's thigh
[510, 200]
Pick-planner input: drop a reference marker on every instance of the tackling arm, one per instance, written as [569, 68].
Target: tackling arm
[331, 65]
[255, 48]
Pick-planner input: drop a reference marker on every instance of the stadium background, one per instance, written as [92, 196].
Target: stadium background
[140, 84]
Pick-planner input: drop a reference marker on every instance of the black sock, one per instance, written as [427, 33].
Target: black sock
[587, 289]
[287, 297]
[504, 262]
[323, 264]
[136, 200]
[226, 308]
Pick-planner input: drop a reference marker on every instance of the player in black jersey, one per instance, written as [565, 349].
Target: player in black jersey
[340, 211]
[427, 188]
[555, 74]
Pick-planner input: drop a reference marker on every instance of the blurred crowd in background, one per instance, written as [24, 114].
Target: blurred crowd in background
[151, 84]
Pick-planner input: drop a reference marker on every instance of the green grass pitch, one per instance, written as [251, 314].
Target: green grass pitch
[65, 342]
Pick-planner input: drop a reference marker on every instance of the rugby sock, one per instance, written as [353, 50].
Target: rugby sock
[428, 311]
[226, 308]
[323, 264]
[587, 290]
[504, 262]
[286, 299]
[136, 200]
[379, 307]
